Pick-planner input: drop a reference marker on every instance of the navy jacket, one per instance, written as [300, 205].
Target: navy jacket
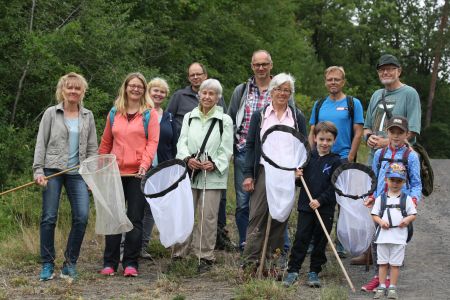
[253, 144]
[317, 175]
[168, 138]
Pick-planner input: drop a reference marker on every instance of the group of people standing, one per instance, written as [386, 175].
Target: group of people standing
[197, 128]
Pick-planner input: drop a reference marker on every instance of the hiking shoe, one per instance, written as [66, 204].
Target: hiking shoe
[379, 293]
[144, 254]
[47, 272]
[205, 265]
[223, 242]
[392, 293]
[130, 272]
[371, 285]
[340, 250]
[290, 279]
[107, 271]
[69, 271]
[313, 279]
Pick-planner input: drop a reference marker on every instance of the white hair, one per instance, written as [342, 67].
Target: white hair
[212, 84]
[281, 79]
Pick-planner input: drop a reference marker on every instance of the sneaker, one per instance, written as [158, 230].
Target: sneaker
[313, 279]
[130, 272]
[371, 285]
[146, 255]
[205, 265]
[392, 293]
[107, 271]
[379, 293]
[69, 271]
[47, 272]
[290, 279]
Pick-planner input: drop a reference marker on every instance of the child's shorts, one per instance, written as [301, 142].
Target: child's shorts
[392, 254]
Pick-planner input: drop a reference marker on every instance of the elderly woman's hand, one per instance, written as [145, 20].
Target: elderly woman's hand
[208, 166]
[194, 164]
[248, 185]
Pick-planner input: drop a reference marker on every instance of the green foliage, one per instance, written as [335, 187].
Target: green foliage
[437, 139]
[263, 289]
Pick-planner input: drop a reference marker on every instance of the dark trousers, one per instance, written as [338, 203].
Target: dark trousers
[133, 239]
[308, 227]
[222, 217]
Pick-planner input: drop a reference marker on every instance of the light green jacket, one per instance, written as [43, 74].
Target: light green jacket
[219, 148]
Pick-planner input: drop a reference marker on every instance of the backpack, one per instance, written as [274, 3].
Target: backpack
[351, 112]
[145, 120]
[402, 207]
[426, 172]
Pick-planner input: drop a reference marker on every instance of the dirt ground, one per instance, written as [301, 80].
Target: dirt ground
[426, 273]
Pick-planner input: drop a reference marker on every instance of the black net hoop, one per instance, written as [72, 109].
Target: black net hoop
[163, 187]
[352, 189]
[295, 135]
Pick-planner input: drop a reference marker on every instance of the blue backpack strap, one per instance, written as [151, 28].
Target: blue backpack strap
[146, 120]
[112, 114]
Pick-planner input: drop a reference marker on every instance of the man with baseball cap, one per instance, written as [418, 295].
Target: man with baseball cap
[395, 98]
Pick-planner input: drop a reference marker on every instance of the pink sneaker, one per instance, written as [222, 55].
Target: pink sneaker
[371, 285]
[130, 272]
[107, 271]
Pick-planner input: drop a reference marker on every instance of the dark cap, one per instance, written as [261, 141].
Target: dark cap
[388, 59]
[398, 121]
[396, 170]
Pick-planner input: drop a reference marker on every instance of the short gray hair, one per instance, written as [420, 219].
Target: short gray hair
[281, 79]
[212, 84]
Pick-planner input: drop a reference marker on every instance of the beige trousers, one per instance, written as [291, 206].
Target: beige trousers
[208, 226]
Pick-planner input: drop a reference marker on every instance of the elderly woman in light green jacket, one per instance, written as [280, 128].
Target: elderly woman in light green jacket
[210, 172]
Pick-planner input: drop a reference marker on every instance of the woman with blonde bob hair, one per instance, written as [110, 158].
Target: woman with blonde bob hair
[135, 149]
[158, 90]
[66, 137]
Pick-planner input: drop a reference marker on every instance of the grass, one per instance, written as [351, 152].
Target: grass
[19, 232]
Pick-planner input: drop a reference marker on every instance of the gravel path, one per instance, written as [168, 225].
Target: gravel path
[426, 273]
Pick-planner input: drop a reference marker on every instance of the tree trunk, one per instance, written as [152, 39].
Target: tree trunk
[437, 60]
[25, 69]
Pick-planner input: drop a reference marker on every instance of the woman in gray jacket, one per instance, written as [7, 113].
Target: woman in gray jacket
[66, 137]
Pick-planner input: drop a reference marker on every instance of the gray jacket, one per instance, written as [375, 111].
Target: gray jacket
[52, 144]
[237, 105]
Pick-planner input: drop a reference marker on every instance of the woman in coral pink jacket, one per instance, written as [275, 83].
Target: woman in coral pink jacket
[135, 149]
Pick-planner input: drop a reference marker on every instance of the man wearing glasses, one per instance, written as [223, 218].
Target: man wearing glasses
[247, 98]
[186, 99]
[399, 99]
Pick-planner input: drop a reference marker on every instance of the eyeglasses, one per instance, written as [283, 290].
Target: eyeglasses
[195, 75]
[386, 69]
[282, 91]
[262, 65]
[136, 87]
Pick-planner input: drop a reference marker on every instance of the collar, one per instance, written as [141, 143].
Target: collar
[270, 109]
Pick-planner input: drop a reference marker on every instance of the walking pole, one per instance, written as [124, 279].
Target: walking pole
[203, 206]
[328, 237]
[33, 182]
[263, 255]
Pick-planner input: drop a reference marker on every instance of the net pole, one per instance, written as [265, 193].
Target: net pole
[33, 182]
[264, 250]
[328, 237]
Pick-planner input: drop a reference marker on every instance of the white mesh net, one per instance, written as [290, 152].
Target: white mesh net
[172, 204]
[284, 149]
[102, 175]
[355, 226]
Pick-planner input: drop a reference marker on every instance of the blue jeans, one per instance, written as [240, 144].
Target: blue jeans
[242, 197]
[77, 192]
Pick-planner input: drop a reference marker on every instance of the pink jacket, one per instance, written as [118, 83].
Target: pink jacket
[127, 142]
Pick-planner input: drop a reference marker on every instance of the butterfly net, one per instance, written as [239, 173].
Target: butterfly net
[284, 150]
[353, 182]
[168, 192]
[101, 174]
